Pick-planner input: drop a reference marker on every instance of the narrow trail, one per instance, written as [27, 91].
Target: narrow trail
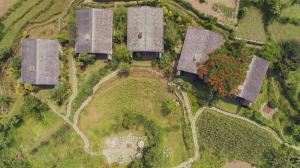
[193, 120]
[74, 84]
[66, 117]
[89, 99]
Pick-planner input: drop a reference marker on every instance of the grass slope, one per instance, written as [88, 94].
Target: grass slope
[235, 138]
[251, 26]
[143, 92]
[64, 149]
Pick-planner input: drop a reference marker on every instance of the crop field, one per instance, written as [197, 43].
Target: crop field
[57, 7]
[27, 12]
[142, 92]
[251, 27]
[4, 5]
[235, 138]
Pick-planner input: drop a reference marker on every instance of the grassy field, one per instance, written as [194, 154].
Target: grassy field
[143, 92]
[292, 11]
[293, 83]
[251, 27]
[83, 76]
[64, 149]
[280, 32]
[233, 137]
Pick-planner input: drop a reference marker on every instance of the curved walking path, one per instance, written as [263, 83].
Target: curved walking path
[65, 117]
[89, 99]
[193, 119]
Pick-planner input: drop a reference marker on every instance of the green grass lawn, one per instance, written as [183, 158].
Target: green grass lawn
[281, 32]
[235, 138]
[292, 11]
[251, 27]
[143, 92]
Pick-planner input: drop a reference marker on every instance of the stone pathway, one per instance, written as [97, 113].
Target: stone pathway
[89, 99]
[74, 85]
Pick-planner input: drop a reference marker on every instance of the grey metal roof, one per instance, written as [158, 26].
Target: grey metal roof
[198, 44]
[145, 29]
[255, 77]
[40, 62]
[94, 31]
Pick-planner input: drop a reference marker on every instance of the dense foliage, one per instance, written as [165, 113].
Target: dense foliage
[236, 138]
[120, 27]
[153, 153]
[33, 106]
[271, 51]
[283, 158]
[169, 106]
[122, 54]
[290, 59]
[85, 59]
[61, 94]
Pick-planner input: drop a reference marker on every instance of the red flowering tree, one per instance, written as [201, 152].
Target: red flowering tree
[224, 73]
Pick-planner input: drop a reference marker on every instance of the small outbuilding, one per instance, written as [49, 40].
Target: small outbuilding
[145, 31]
[94, 31]
[250, 89]
[40, 62]
[198, 44]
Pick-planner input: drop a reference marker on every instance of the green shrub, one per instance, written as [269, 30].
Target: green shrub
[273, 103]
[169, 106]
[33, 106]
[122, 54]
[61, 94]
[87, 88]
[85, 59]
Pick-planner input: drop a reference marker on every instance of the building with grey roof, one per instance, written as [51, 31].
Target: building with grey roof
[94, 31]
[40, 62]
[255, 76]
[198, 44]
[145, 30]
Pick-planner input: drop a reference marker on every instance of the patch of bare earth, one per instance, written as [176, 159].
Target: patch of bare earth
[4, 5]
[207, 8]
[238, 164]
[267, 111]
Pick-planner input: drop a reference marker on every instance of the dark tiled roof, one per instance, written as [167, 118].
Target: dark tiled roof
[145, 29]
[40, 62]
[198, 44]
[255, 77]
[94, 31]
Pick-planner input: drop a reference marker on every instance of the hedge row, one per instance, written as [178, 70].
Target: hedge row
[87, 88]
